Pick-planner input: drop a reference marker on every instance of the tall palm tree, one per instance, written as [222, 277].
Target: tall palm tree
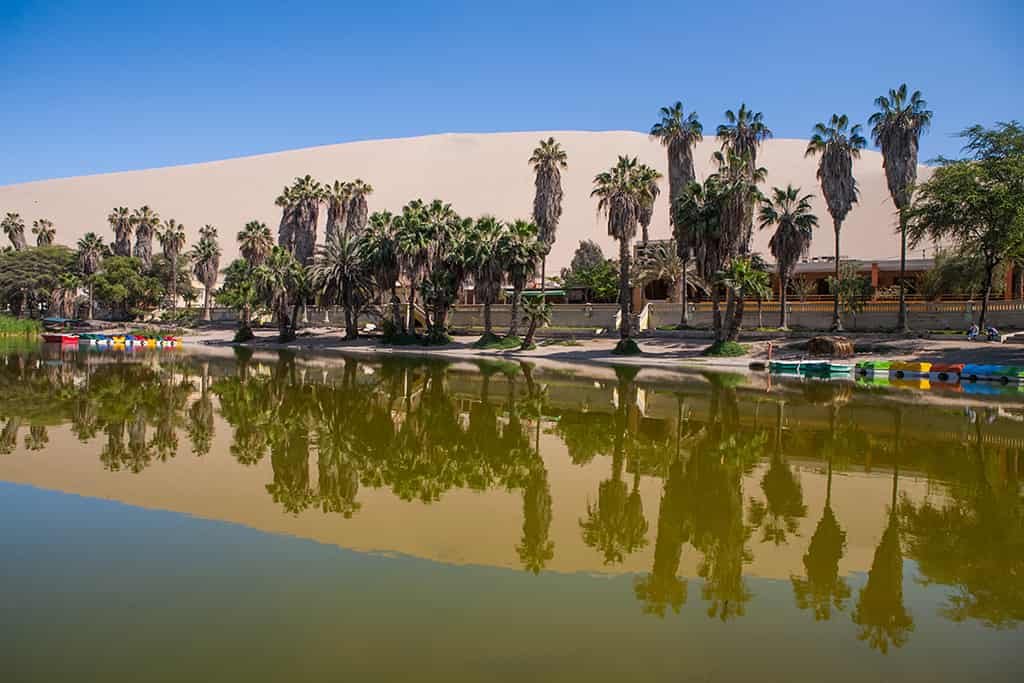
[741, 135]
[340, 272]
[90, 254]
[301, 209]
[255, 243]
[145, 221]
[679, 132]
[520, 250]
[172, 241]
[358, 209]
[487, 265]
[838, 147]
[896, 128]
[650, 178]
[62, 296]
[205, 257]
[44, 232]
[794, 222]
[413, 239]
[14, 227]
[380, 245]
[120, 220]
[278, 278]
[548, 160]
[621, 191]
[337, 195]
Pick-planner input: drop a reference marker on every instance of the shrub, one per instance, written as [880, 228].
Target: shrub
[725, 349]
[626, 347]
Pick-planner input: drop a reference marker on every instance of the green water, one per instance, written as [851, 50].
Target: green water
[174, 516]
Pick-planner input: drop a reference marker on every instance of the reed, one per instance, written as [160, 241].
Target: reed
[10, 327]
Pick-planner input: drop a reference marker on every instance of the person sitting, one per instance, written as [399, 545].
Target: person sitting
[972, 333]
[992, 332]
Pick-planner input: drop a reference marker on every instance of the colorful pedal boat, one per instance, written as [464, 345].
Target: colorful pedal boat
[873, 367]
[817, 368]
[59, 338]
[910, 368]
[992, 373]
[946, 372]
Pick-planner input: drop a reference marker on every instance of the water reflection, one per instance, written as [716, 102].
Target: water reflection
[733, 468]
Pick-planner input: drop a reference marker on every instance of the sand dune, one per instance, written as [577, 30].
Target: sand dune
[477, 173]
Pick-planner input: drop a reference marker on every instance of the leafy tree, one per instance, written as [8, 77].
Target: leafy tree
[520, 251]
[124, 287]
[240, 292]
[340, 272]
[300, 204]
[172, 241]
[63, 295]
[741, 279]
[120, 220]
[852, 289]
[255, 242]
[357, 211]
[205, 258]
[29, 276]
[146, 223]
[587, 255]
[953, 272]
[600, 281]
[14, 227]
[538, 313]
[91, 251]
[279, 279]
[896, 127]
[679, 132]
[413, 240]
[741, 136]
[977, 205]
[487, 265]
[648, 177]
[44, 232]
[548, 160]
[791, 216]
[838, 146]
[380, 247]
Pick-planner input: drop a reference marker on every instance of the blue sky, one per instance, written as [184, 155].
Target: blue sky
[106, 86]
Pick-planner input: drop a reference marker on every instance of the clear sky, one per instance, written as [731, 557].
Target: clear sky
[91, 87]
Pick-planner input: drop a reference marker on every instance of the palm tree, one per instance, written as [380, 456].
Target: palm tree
[146, 222]
[120, 220]
[679, 132]
[90, 254]
[520, 250]
[548, 160]
[255, 243]
[279, 277]
[14, 227]
[301, 209]
[663, 263]
[380, 245]
[741, 136]
[838, 147]
[172, 241]
[896, 128]
[621, 191]
[791, 215]
[538, 312]
[337, 195]
[44, 232]
[413, 239]
[648, 177]
[340, 272]
[62, 296]
[205, 257]
[358, 210]
[487, 266]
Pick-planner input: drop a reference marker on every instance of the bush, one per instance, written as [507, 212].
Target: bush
[392, 335]
[17, 326]
[496, 342]
[726, 349]
[187, 317]
[627, 347]
[243, 334]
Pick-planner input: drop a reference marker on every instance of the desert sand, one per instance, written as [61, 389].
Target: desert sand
[477, 173]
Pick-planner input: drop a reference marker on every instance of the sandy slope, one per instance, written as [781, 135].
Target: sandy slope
[477, 173]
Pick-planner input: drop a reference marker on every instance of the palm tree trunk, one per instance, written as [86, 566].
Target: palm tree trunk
[716, 312]
[783, 313]
[487, 318]
[513, 327]
[530, 331]
[351, 331]
[625, 307]
[902, 323]
[174, 283]
[684, 319]
[837, 323]
[90, 299]
[411, 314]
[989, 267]
[206, 303]
[396, 311]
[543, 269]
[736, 321]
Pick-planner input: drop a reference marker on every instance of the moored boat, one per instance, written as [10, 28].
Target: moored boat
[992, 373]
[59, 338]
[946, 372]
[910, 368]
[873, 367]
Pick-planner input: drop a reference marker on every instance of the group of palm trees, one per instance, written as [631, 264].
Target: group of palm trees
[13, 226]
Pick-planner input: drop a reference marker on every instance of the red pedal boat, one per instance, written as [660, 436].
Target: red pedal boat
[60, 338]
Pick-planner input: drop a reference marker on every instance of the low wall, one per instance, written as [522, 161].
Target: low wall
[572, 316]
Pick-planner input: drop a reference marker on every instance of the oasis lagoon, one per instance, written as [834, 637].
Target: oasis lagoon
[172, 516]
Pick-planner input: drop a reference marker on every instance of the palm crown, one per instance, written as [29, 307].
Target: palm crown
[743, 132]
[896, 128]
[255, 242]
[677, 127]
[794, 219]
[838, 144]
[44, 232]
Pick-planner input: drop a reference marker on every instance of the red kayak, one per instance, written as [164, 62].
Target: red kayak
[59, 338]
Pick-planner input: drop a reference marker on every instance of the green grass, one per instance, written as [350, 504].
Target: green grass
[726, 349]
[560, 342]
[158, 331]
[18, 326]
[627, 347]
[496, 342]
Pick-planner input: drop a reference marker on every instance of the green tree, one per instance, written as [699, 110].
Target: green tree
[358, 211]
[14, 227]
[255, 243]
[414, 240]
[120, 220]
[380, 246]
[90, 255]
[741, 136]
[44, 232]
[976, 205]
[341, 273]
[538, 314]
[29, 277]
[896, 128]
[279, 278]
[300, 204]
[63, 295]
[645, 213]
[124, 288]
[240, 292]
[852, 289]
[487, 267]
[791, 216]
[146, 222]
[520, 251]
[337, 196]
[172, 241]
[838, 146]
[205, 258]
[548, 161]
[679, 132]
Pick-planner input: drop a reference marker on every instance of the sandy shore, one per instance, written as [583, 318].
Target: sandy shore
[658, 351]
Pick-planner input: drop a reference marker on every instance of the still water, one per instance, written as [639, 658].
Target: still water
[167, 515]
